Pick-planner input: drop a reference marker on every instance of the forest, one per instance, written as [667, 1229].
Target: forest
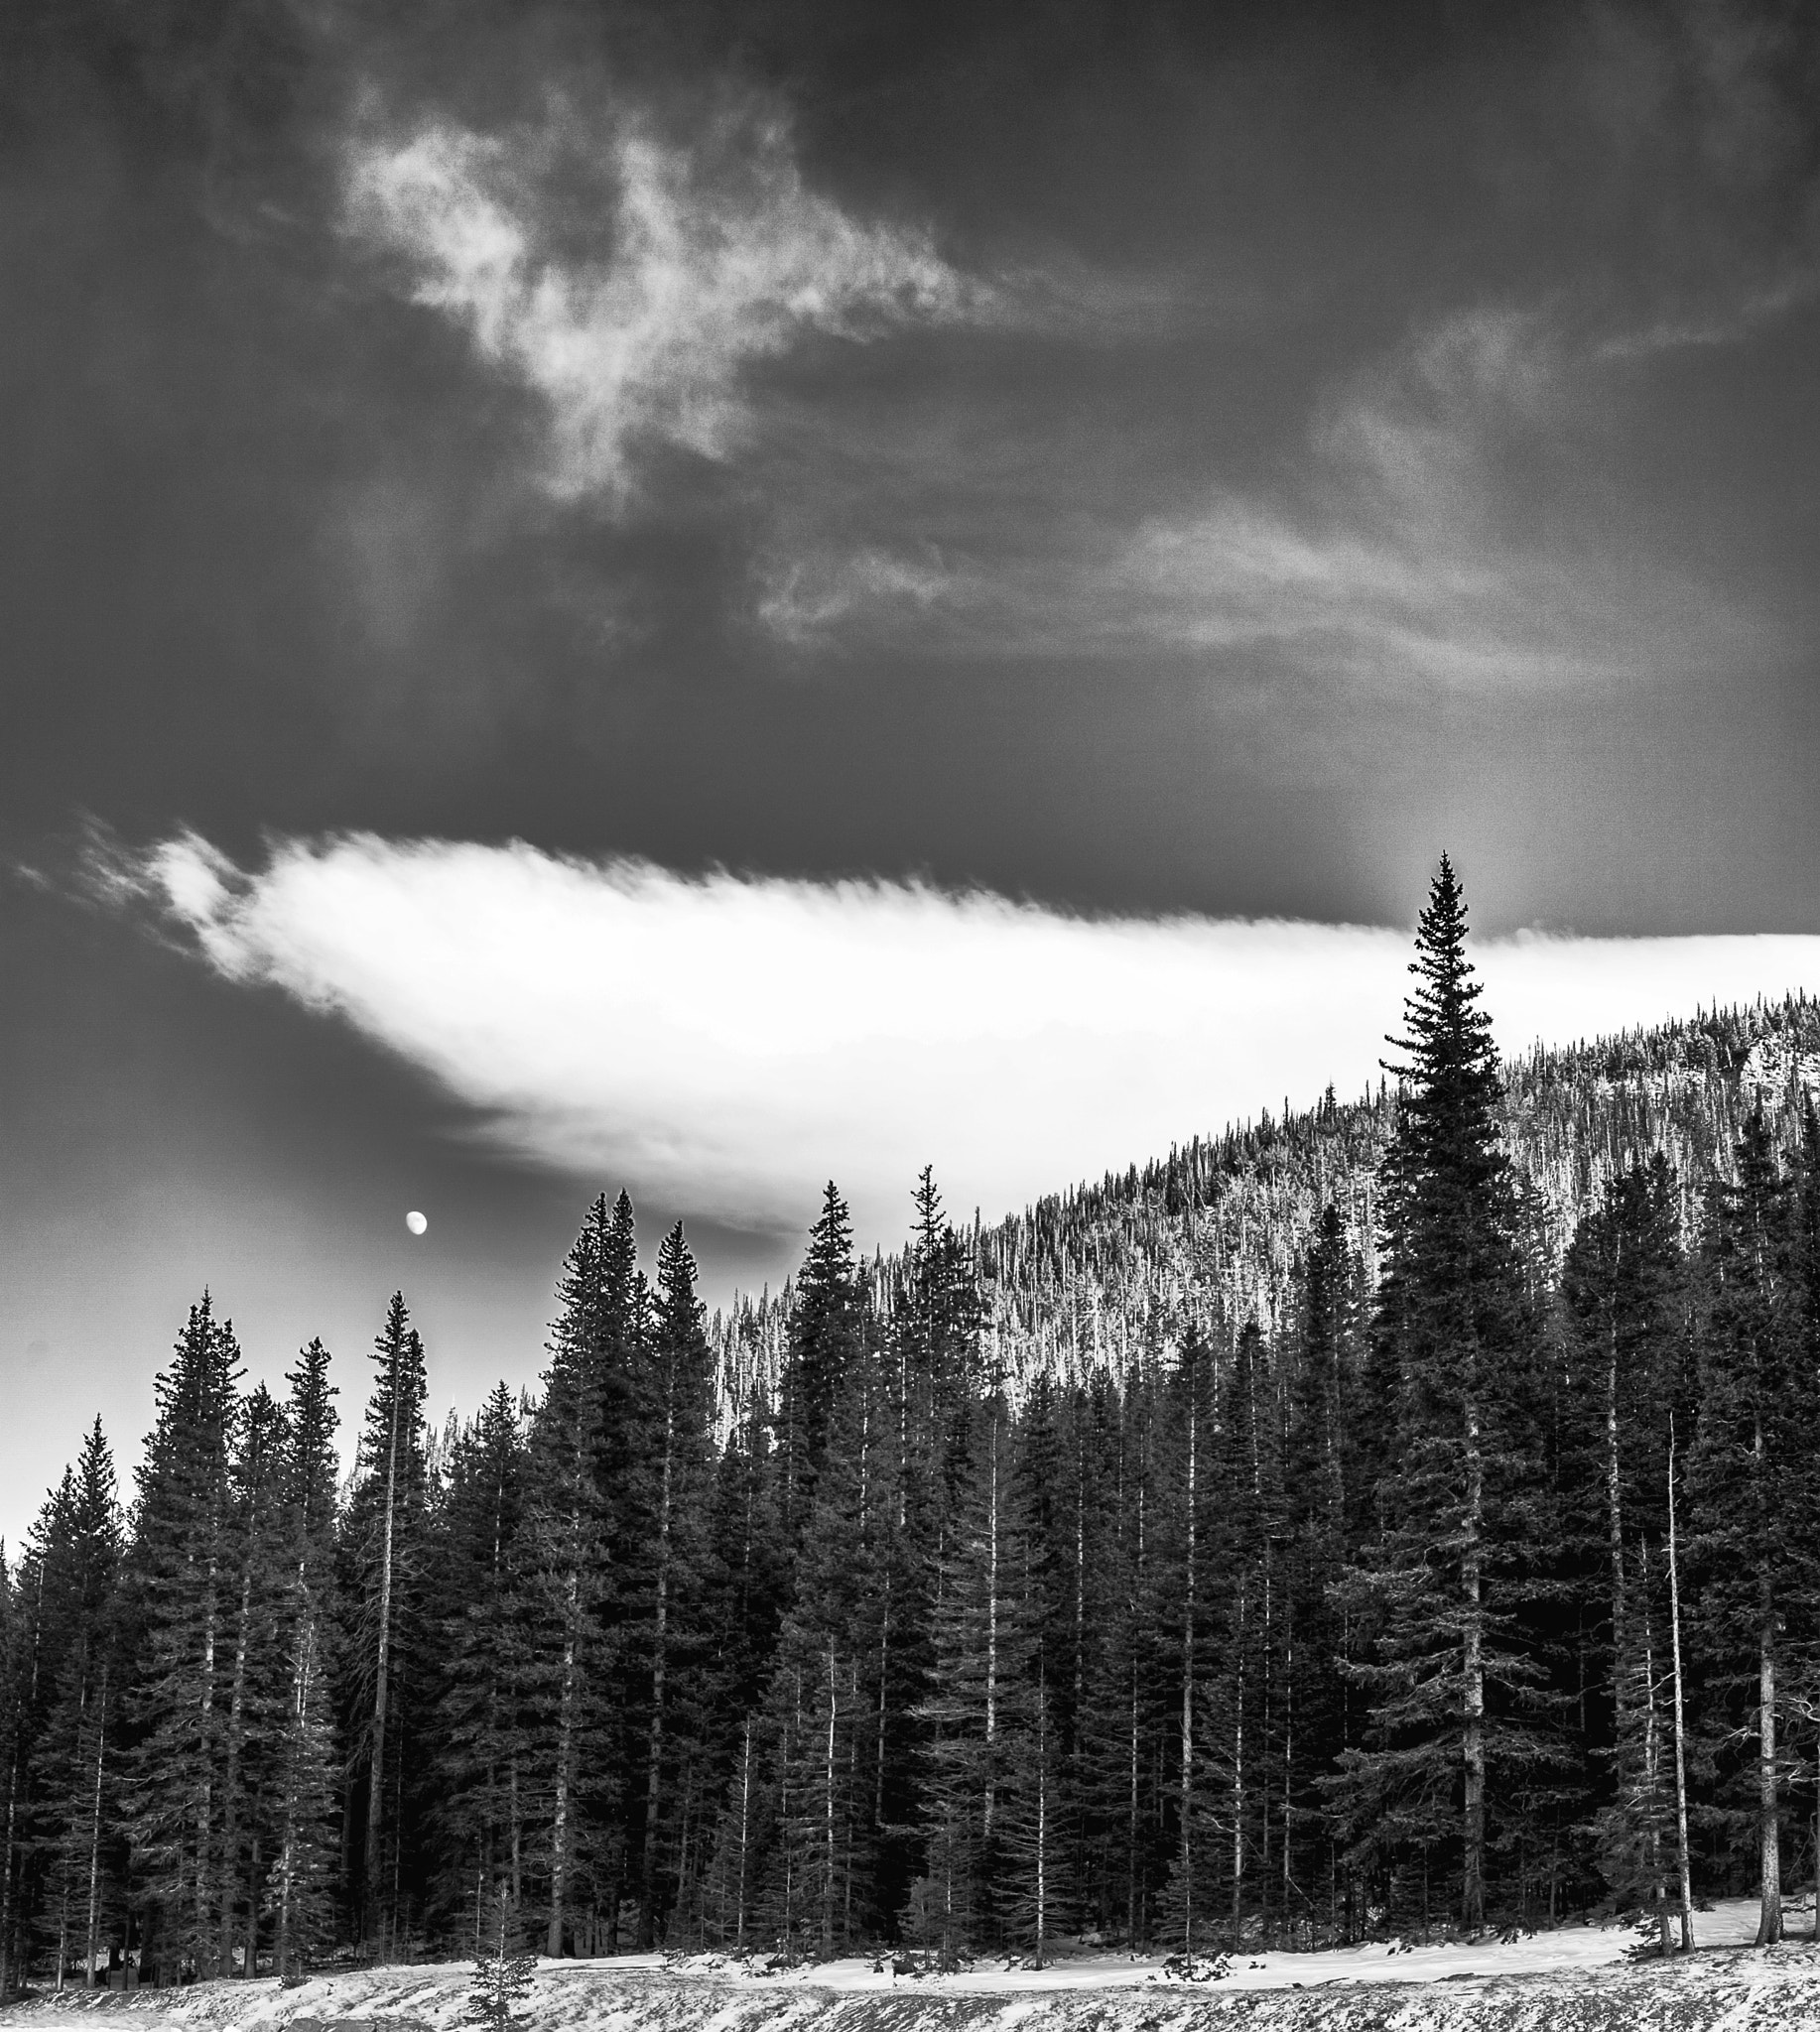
[1399, 1518]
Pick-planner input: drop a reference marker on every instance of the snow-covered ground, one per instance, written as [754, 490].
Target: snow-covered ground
[1562, 1949]
[1571, 1979]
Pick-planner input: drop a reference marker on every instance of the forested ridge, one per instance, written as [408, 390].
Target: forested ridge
[1403, 1515]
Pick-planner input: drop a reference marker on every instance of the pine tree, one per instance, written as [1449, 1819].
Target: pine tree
[1124, 1703]
[478, 1820]
[1623, 1288]
[305, 1764]
[619, 1325]
[824, 1705]
[12, 1759]
[1319, 1476]
[983, 1647]
[76, 1755]
[747, 1580]
[558, 1583]
[1192, 1495]
[258, 1677]
[503, 1978]
[1753, 1481]
[181, 1570]
[824, 1334]
[674, 1396]
[382, 1554]
[1453, 1685]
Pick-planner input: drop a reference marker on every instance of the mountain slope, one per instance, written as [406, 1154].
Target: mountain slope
[1100, 1277]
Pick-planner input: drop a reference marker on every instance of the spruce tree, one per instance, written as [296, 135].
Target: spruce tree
[12, 1759]
[478, 1821]
[825, 1335]
[304, 1750]
[382, 1559]
[675, 1401]
[1623, 1296]
[1754, 1489]
[1453, 1690]
[1321, 1448]
[181, 1570]
[560, 1569]
[76, 1760]
[978, 1707]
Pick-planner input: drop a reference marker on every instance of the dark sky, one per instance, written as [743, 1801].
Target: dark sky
[1138, 460]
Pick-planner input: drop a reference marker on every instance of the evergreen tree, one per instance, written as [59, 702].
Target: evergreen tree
[382, 1558]
[182, 1570]
[826, 1716]
[11, 1761]
[75, 1757]
[305, 1761]
[1319, 1476]
[1753, 1487]
[1624, 1294]
[1453, 1684]
[675, 1397]
[559, 1579]
[478, 1820]
[825, 1335]
[978, 1707]
[748, 1579]
[503, 1978]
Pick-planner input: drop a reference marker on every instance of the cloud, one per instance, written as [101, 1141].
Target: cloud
[728, 1043]
[1432, 526]
[707, 259]
[1397, 559]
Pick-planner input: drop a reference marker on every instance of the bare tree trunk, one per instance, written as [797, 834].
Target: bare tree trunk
[205, 1809]
[6, 1876]
[827, 1809]
[1652, 1758]
[230, 1788]
[1042, 1823]
[302, 1674]
[565, 1759]
[746, 1833]
[1238, 1782]
[375, 1773]
[1471, 1901]
[1187, 1861]
[94, 1835]
[1769, 1924]
[518, 1845]
[991, 1632]
[654, 1764]
[1674, 1624]
[1134, 1798]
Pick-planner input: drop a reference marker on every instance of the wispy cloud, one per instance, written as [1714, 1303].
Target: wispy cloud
[1413, 534]
[728, 1043]
[641, 329]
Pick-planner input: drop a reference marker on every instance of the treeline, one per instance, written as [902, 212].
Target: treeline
[1479, 1589]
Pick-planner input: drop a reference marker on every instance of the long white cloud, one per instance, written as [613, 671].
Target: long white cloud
[729, 1043]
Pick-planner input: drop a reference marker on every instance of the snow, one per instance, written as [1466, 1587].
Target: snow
[1558, 1980]
[1558, 1951]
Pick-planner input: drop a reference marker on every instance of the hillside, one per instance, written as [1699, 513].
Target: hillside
[1095, 1276]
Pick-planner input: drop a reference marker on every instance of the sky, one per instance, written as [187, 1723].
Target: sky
[708, 597]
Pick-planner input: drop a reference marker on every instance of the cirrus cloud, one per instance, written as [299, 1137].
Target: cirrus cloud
[709, 258]
[724, 1043]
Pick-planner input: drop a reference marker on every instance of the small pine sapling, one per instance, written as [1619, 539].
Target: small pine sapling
[502, 1979]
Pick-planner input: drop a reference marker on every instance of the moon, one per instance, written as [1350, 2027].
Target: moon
[415, 1222]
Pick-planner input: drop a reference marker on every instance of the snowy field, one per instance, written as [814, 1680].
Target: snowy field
[1572, 1980]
